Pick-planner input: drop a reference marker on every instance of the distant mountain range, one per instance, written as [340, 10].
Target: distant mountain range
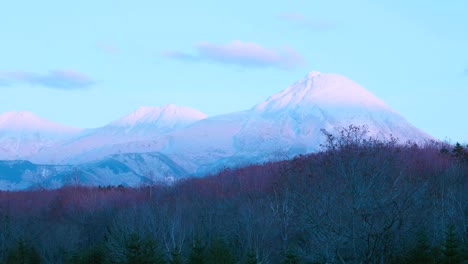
[169, 142]
[23, 134]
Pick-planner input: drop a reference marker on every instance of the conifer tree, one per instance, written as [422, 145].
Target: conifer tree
[458, 151]
[291, 258]
[142, 251]
[219, 252]
[22, 253]
[175, 256]
[251, 257]
[95, 255]
[197, 253]
[451, 254]
[421, 253]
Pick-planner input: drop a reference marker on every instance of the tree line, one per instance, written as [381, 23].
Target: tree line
[358, 200]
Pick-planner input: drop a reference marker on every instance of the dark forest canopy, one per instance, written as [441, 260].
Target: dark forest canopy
[360, 200]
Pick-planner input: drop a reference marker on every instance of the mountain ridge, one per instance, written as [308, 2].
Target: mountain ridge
[25, 120]
[169, 115]
[286, 124]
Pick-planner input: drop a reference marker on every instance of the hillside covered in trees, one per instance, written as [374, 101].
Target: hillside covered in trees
[359, 200]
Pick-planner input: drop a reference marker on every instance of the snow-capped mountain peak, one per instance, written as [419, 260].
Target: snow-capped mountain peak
[27, 121]
[322, 89]
[286, 124]
[23, 134]
[167, 115]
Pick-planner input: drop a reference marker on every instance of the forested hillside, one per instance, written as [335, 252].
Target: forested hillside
[359, 200]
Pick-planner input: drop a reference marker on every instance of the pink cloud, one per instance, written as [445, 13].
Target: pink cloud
[242, 53]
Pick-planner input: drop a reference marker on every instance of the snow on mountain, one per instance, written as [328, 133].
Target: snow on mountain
[146, 124]
[130, 169]
[322, 90]
[292, 119]
[27, 121]
[178, 141]
[286, 124]
[163, 119]
[23, 134]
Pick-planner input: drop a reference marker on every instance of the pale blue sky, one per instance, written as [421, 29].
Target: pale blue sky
[84, 63]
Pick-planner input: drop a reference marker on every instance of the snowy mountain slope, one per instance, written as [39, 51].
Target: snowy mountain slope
[161, 119]
[323, 90]
[292, 119]
[23, 134]
[145, 125]
[286, 124]
[20, 174]
[174, 142]
[131, 169]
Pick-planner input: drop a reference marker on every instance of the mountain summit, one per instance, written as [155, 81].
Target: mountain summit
[286, 124]
[146, 125]
[23, 134]
[323, 90]
[164, 118]
[27, 121]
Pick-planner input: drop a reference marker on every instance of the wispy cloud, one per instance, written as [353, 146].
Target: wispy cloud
[246, 54]
[59, 79]
[300, 20]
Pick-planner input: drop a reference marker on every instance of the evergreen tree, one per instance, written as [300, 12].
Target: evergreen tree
[251, 257]
[219, 253]
[291, 258]
[22, 253]
[142, 251]
[94, 255]
[451, 255]
[421, 253]
[458, 151]
[197, 253]
[175, 256]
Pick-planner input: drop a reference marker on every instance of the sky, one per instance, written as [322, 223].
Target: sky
[85, 63]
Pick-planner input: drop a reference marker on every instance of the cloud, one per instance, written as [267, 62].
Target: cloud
[299, 20]
[246, 54]
[59, 79]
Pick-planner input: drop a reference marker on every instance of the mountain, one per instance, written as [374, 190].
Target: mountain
[130, 169]
[287, 124]
[174, 142]
[146, 124]
[322, 90]
[23, 134]
[157, 119]
[296, 115]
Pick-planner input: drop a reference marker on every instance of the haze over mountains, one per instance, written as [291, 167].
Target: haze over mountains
[172, 141]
